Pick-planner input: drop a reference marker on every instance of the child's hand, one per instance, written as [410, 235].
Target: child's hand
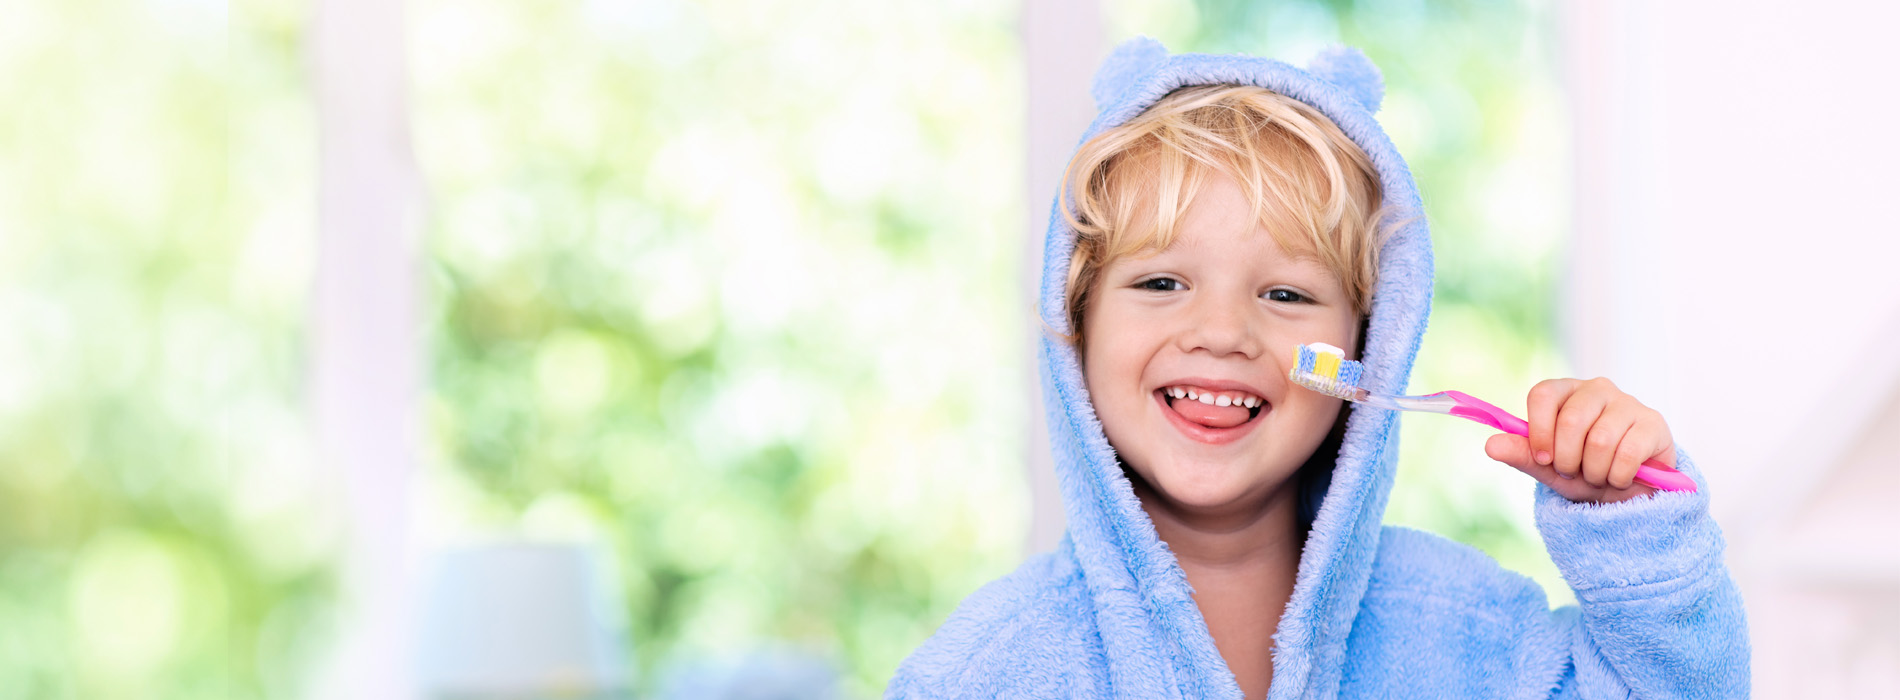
[1587, 438]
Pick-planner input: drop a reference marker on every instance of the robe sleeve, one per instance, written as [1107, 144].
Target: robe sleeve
[1658, 615]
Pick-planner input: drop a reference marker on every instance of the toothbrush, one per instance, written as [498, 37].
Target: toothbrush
[1325, 369]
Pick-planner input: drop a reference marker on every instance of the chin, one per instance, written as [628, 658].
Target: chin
[1202, 486]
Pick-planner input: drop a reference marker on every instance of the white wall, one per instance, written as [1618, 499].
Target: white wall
[1062, 43]
[1735, 174]
[365, 345]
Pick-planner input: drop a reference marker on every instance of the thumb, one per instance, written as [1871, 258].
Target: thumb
[1514, 450]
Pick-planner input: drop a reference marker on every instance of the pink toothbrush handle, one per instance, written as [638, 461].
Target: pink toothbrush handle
[1656, 474]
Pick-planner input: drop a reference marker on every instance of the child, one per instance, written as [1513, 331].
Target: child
[1224, 532]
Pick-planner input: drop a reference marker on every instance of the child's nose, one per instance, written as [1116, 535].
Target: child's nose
[1222, 329]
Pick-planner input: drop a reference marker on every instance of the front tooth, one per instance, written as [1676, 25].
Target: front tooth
[1223, 400]
[1206, 398]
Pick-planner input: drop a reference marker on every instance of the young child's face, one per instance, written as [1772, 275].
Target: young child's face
[1220, 310]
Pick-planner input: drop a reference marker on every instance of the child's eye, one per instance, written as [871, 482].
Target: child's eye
[1161, 284]
[1286, 295]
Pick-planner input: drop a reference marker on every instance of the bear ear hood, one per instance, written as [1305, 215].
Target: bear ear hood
[1152, 630]
[1353, 73]
[1132, 61]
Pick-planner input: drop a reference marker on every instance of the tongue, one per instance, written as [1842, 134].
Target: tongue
[1211, 416]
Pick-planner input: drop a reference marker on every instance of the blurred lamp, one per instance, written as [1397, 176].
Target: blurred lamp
[772, 672]
[520, 620]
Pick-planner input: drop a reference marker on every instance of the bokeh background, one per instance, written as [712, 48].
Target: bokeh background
[727, 299]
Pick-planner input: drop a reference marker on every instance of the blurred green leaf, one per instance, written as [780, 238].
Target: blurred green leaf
[157, 534]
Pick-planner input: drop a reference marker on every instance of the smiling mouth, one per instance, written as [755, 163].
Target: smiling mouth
[1212, 410]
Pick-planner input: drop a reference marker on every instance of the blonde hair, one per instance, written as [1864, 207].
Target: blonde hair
[1136, 181]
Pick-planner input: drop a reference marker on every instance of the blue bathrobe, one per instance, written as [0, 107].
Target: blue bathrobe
[1376, 611]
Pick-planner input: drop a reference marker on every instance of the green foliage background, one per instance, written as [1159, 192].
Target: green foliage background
[158, 538]
[725, 289]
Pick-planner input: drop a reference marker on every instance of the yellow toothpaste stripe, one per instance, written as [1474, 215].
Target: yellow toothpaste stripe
[1327, 365]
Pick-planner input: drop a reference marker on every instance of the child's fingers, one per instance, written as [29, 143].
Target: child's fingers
[1580, 411]
[1629, 457]
[1542, 406]
[1611, 429]
[1648, 437]
[1665, 442]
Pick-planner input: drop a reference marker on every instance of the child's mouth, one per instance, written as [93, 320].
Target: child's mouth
[1205, 409]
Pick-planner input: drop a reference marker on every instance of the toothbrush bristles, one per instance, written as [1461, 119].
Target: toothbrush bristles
[1325, 369]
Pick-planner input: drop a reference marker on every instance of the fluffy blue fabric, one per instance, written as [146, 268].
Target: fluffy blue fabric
[1376, 611]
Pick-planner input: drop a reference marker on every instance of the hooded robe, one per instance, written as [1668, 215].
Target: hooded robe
[1376, 611]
